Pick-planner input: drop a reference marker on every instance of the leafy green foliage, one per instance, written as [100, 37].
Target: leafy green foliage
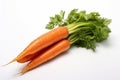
[56, 20]
[84, 29]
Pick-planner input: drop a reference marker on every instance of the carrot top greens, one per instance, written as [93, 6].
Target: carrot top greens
[84, 29]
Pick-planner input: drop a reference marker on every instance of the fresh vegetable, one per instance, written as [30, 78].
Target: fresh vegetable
[78, 29]
[84, 31]
[50, 53]
[42, 42]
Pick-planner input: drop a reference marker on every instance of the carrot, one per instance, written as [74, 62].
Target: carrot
[42, 42]
[49, 54]
[80, 29]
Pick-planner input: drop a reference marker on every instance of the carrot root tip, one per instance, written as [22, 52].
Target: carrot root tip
[9, 62]
[19, 74]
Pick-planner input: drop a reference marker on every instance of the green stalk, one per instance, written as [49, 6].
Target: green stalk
[72, 27]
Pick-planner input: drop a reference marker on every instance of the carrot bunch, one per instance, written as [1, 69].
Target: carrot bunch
[78, 29]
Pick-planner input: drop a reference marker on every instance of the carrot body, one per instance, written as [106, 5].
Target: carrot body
[26, 58]
[43, 41]
[52, 52]
[31, 56]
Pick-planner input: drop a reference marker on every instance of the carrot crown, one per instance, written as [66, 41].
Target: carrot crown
[85, 30]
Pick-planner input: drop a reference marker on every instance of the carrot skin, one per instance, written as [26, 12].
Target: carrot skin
[31, 56]
[43, 41]
[26, 58]
[49, 54]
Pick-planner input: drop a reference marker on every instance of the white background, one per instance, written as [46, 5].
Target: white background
[21, 21]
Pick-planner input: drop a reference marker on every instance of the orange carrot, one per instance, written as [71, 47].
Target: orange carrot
[49, 54]
[43, 41]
